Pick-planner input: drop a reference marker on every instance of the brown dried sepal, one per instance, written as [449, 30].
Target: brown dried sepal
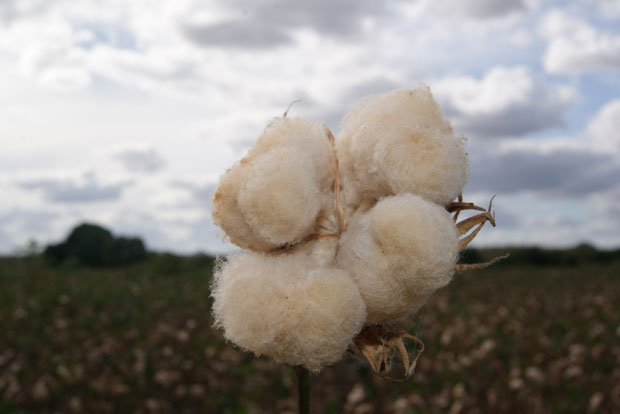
[336, 187]
[464, 226]
[478, 220]
[378, 344]
[473, 266]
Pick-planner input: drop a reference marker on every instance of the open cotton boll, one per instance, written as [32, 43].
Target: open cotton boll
[228, 216]
[281, 198]
[310, 138]
[400, 142]
[285, 307]
[398, 253]
[275, 194]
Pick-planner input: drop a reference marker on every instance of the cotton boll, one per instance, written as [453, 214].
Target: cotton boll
[398, 254]
[310, 138]
[228, 216]
[281, 198]
[285, 307]
[247, 302]
[327, 310]
[400, 142]
[274, 196]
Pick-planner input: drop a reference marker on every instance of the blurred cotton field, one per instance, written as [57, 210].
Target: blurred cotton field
[140, 339]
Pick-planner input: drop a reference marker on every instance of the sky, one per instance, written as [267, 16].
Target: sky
[125, 113]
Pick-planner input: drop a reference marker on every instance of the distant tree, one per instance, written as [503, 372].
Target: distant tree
[126, 250]
[56, 253]
[91, 244]
[94, 245]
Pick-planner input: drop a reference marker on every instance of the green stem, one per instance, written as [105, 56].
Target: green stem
[303, 389]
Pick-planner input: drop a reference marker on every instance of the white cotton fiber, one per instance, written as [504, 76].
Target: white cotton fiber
[227, 214]
[400, 142]
[274, 195]
[281, 199]
[398, 253]
[320, 268]
[310, 138]
[287, 308]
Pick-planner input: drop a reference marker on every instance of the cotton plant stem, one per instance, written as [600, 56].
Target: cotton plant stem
[303, 389]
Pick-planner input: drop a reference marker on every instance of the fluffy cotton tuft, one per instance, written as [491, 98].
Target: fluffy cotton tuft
[400, 142]
[287, 308]
[274, 195]
[307, 289]
[310, 138]
[281, 198]
[398, 253]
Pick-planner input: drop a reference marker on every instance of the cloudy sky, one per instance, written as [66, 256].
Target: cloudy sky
[126, 113]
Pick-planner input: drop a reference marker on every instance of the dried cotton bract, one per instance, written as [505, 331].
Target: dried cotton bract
[325, 271]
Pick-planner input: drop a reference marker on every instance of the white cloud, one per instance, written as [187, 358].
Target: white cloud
[64, 79]
[607, 8]
[86, 189]
[504, 102]
[575, 46]
[48, 52]
[157, 69]
[605, 128]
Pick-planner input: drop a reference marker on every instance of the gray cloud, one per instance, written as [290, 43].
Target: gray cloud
[515, 120]
[11, 10]
[266, 23]
[241, 34]
[506, 218]
[142, 161]
[504, 102]
[324, 16]
[566, 173]
[479, 9]
[72, 191]
[614, 214]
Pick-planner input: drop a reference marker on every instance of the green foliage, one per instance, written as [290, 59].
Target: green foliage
[95, 246]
